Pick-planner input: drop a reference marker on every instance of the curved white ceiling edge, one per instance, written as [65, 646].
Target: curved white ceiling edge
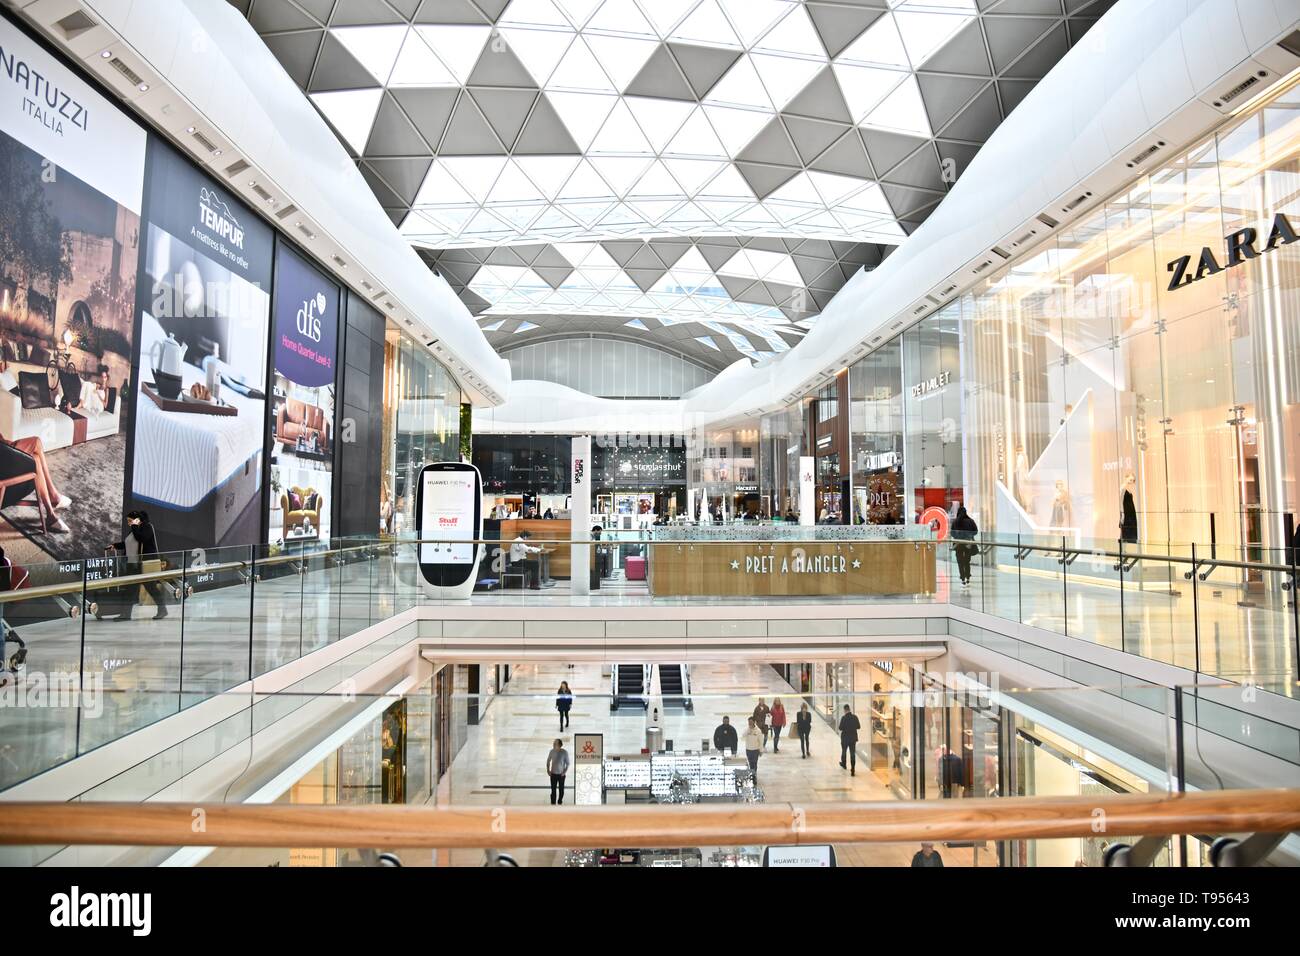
[210, 56]
[1149, 70]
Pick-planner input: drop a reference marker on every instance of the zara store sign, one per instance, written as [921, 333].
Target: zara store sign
[1238, 247]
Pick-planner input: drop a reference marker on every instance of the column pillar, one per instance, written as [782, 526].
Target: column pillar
[580, 515]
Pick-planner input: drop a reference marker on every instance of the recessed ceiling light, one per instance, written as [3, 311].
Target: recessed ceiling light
[107, 54]
[216, 152]
[143, 87]
[189, 129]
[252, 183]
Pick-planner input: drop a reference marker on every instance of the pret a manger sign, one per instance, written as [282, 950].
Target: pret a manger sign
[1238, 247]
[797, 563]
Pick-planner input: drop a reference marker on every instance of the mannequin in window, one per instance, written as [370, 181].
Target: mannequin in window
[1128, 525]
[1062, 509]
[1022, 479]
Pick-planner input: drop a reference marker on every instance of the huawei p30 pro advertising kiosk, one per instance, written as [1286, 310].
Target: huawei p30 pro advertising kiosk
[448, 522]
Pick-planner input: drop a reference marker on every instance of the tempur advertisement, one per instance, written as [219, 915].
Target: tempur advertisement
[71, 176]
[200, 410]
[305, 346]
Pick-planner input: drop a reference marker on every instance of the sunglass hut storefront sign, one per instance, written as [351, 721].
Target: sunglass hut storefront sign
[1240, 246]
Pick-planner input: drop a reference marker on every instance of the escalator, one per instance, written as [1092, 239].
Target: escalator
[673, 687]
[629, 686]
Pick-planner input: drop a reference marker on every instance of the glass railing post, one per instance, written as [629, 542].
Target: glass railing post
[81, 662]
[1290, 555]
[1123, 620]
[1020, 581]
[180, 676]
[1065, 589]
[252, 606]
[1196, 609]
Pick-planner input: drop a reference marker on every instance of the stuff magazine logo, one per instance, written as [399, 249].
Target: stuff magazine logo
[75, 909]
[218, 219]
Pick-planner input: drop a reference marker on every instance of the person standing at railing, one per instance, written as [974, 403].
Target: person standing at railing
[803, 725]
[849, 727]
[563, 703]
[557, 766]
[140, 542]
[964, 530]
[778, 722]
[753, 747]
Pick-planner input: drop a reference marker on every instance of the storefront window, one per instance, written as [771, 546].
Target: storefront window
[421, 425]
[876, 435]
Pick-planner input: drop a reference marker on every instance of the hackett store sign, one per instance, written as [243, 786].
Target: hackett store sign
[1239, 246]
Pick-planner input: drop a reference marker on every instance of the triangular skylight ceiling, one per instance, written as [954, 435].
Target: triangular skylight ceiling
[482, 123]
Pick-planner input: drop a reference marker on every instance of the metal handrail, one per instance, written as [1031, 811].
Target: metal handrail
[171, 574]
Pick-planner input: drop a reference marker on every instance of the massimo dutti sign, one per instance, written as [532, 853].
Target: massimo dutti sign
[1238, 247]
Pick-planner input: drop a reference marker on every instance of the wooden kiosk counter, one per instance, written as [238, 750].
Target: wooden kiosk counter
[704, 568]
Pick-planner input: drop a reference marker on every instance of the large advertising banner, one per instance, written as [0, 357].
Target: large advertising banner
[71, 176]
[201, 406]
[305, 346]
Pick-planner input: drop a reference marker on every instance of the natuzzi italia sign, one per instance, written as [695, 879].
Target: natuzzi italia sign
[1240, 246]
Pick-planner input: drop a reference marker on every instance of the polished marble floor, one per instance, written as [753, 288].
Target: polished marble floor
[503, 760]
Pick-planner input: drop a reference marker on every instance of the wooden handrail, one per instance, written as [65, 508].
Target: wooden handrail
[1008, 818]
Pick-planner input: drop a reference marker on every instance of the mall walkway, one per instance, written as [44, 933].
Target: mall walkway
[503, 761]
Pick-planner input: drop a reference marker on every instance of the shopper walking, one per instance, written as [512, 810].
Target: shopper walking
[778, 722]
[803, 724]
[849, 727]
[140, 542]
[760, 719]
[557, 766]
[753, 747]
[964, 530]
[927, 856]
[563, 703]
[724, 737]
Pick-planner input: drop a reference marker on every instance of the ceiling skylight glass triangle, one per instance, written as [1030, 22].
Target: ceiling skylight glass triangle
[707, 25]
[621, 16]
[375, 48]
[417, 65]
[458, 47]
[660, 120]
[352, 113]
[665, 14]
[794, 34]
[540, 51]
[741, 86]
[924, 32]
[579, 70]
[527, 327]
[902, 111]
[880, 45]
[583, 114]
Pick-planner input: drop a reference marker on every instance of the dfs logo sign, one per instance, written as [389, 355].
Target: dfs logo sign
[309, 316]
[579, 469]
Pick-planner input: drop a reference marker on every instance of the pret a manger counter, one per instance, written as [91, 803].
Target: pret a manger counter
[793, 568]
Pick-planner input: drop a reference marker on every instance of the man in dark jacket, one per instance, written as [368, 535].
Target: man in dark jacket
[964, 530]
[849, 727]
[927, 856]
[724, 738]
[140, 543]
